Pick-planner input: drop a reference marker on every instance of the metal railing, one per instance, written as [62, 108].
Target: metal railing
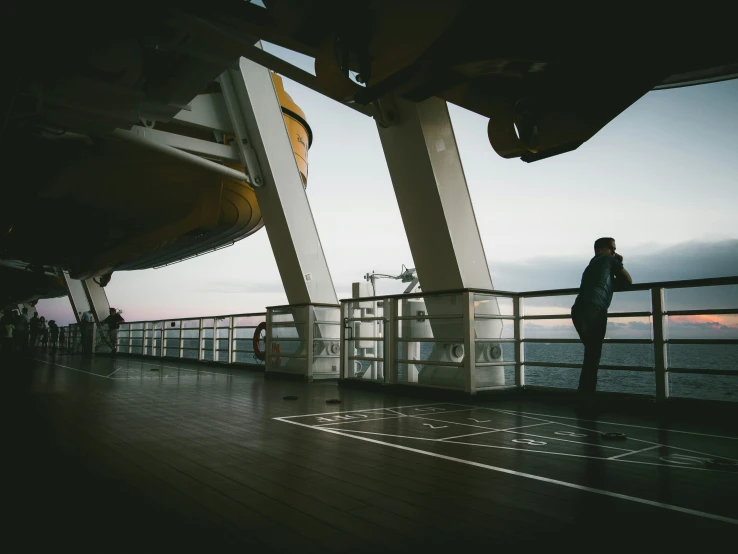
[304, 340]
[475, 340]
[225, 338]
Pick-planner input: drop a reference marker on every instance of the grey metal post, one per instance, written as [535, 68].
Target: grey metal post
[309, 337]
[470, 372]
[268, 342]
[390, 365]
[215, 339]
[181, 338]
[519, 335]
[343, 373]
[230, 340]
[660, 353]
[200, 340]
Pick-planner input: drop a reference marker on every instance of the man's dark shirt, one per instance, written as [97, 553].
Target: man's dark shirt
[597, 281]
[113, 321]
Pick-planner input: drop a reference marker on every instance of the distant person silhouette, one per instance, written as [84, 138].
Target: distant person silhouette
[43, 332]
[113, 321]
[87, 323]
[604, 274]
[53, 333]
[63, 339]
[7, 330]
[21, 330]
[35, 327]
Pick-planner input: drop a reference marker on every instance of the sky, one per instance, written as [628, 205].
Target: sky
[662, 178]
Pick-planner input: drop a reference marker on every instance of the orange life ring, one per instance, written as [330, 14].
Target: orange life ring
[255, 341]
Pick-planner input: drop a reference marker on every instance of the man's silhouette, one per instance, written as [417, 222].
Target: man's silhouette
[604, 274]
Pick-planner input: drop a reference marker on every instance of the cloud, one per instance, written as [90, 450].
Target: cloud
[692, 260]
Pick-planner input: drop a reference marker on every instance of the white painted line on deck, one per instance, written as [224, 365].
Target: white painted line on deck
[634, 452]
[601, 492]
[72, 368]
[114, 372]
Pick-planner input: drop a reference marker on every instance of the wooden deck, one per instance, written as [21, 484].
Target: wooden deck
[134, 454]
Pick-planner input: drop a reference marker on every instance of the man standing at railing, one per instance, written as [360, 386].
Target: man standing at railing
[604, 274]
[113, 322]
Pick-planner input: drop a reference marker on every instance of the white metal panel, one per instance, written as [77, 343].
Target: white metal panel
[284, 205]
[431, 191]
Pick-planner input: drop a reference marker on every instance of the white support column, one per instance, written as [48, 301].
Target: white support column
[424, 163]
[88, 295]
[77, 297]
[437, 213]
[252, 100]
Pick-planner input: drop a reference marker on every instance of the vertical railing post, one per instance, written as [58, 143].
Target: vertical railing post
[660, 354]
[309, 337]
[343, 367]
[200, 340]
[390, 364]
[230, 340]
[181, 339]
[470, 356]
[268, 341]
[519, 334]
[215, 339]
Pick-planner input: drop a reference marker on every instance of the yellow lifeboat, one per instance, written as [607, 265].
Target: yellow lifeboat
[121, 207]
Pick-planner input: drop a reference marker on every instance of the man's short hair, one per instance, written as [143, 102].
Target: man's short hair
[603, 242]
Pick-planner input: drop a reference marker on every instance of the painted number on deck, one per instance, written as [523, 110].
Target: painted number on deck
[569, 434]
[530, 441]
[682, 460]
[335, 418]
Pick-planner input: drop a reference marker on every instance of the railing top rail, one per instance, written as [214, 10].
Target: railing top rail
[430, 293]
[316, 304]
[219, 317]
[685, 283]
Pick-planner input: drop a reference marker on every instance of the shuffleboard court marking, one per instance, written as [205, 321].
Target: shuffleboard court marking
[54, 364]
[117, 369]
[634, 452]
[633, 438]
[620, 424]
[635, 499]
[489, 432]
[372, 410]
[357, 420]
[527, 434]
